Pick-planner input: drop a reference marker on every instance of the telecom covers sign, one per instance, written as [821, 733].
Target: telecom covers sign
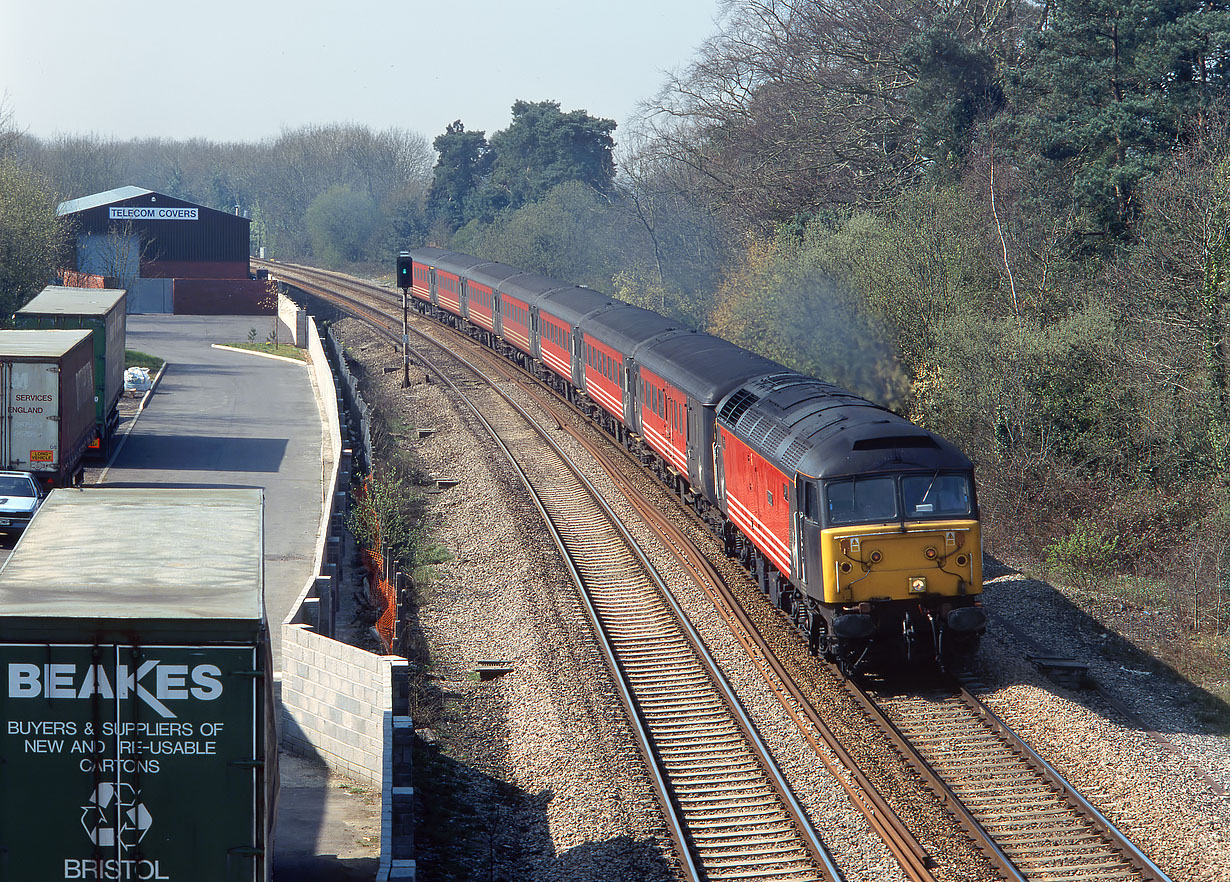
[151, 213]
[127, 763]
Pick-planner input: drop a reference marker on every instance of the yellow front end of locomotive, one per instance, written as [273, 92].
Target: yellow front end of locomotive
[926, 560]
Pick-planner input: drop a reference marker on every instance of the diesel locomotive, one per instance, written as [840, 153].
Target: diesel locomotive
[860, 525]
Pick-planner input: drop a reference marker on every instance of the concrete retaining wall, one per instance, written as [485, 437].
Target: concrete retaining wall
[347, 706]
[294, 321]
[337, 701]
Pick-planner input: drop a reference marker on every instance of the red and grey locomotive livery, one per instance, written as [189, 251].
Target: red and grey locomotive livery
[859, 524]
[866, 525]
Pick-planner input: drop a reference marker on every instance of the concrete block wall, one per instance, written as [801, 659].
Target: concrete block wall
[294, 321]
[347, 706]
[336, 700]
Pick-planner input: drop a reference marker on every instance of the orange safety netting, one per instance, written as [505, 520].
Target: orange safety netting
[383, 594]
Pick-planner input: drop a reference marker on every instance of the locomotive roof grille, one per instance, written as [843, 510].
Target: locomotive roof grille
[737, 405]
[794, 454]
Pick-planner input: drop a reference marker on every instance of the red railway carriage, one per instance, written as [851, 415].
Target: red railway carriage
[555, 344]
[421, 276]
[448, 291]
[423, 271]
[703, 368]
[518, 309]
[482, 283]
[480, 304]
[602, 377]
[664, 418]
[611, 335]
[567, 308]
[442, 274]
[513, 323]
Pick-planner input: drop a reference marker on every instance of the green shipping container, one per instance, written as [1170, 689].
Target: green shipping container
[138, 738]
[104, 312]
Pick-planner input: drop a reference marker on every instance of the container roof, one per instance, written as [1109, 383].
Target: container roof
[40, 344]
[61, 300]
[147, 554]
[119, 194]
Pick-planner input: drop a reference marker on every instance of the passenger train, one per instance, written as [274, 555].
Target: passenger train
[860, 525]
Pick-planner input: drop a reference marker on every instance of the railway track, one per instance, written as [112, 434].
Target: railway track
[734, 815]
[1030, 823]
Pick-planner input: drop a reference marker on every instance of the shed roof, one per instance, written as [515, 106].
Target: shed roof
[119, 194]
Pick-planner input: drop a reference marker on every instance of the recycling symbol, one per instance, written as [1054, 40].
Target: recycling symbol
[114, 814]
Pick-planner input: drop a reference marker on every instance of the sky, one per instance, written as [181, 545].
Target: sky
[229, 70]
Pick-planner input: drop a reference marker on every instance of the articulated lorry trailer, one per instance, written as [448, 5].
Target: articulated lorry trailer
[47, 393]
[103, 312]
[138, 736]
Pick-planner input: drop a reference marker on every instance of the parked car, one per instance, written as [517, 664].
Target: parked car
[19, 500]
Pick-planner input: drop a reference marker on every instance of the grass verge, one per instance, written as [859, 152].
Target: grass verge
[283, 349]
[133, 358]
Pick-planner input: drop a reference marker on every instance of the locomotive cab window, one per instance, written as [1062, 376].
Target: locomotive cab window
[935, 495]
[811, 502]
[861, 500]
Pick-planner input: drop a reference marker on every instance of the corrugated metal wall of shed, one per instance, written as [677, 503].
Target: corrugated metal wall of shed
[186, 232]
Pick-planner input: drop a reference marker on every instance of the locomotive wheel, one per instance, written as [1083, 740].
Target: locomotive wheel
[918, 631]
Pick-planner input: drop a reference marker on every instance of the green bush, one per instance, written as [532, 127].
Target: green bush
[1086, 553]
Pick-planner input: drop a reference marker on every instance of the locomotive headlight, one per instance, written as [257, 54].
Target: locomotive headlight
[918, 585]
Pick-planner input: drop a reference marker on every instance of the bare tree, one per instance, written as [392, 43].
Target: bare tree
[800, 103]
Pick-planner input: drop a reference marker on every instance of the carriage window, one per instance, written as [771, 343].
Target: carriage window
[856, 500]
[935, 495]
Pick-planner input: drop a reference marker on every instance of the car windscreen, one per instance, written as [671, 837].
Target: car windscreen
[16, 487]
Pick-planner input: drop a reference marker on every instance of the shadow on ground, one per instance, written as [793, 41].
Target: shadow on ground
[1039, 620]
